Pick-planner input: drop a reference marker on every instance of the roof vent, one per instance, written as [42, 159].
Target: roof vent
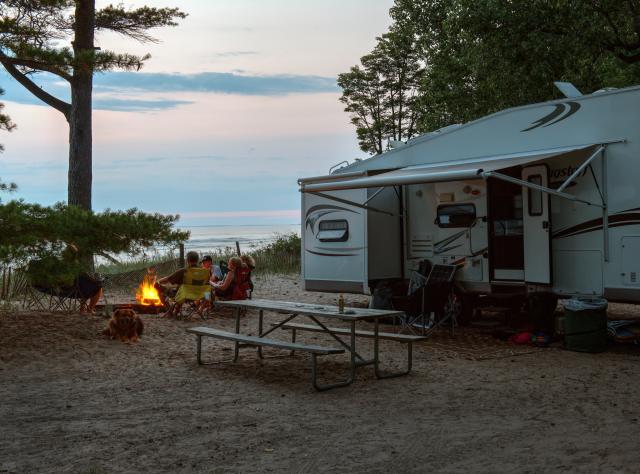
[606, 89]
[568, 89]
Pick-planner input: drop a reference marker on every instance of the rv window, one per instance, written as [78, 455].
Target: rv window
[333, 231]
[456, 215]
[535, 196]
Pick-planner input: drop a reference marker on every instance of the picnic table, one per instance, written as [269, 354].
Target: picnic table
[314, 313]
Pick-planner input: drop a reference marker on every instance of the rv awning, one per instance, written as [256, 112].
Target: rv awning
[440, 172]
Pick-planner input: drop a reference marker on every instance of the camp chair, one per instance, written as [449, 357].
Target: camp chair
[194, 289]
[430, 301]
[65, 299]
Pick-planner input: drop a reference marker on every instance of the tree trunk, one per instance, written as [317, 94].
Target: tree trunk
[80, 133]
[80, 144]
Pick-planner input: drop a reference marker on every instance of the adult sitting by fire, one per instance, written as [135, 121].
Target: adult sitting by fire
[202, 283]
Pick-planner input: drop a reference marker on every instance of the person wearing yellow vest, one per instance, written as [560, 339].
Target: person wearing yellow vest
[193, 283]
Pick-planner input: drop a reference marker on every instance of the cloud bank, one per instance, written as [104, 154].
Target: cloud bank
[121, 91]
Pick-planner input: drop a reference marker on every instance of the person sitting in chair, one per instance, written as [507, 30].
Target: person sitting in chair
[235, 285]
[216, 272]
[225, 288]
[248, 266]
[193, 283]
[62, 277]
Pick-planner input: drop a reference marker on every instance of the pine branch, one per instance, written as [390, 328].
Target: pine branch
[37, 65]
[41, 94]
[135, 23]
[108, 60]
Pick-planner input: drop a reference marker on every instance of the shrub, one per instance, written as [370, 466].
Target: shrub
[63, 239]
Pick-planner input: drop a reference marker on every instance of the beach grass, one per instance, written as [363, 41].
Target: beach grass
[281, 256]
[135, 263]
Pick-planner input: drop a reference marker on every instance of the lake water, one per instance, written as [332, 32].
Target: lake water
[213, 237]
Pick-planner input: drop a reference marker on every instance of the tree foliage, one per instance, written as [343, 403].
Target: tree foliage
[380, 94]
[58, 37]
[481, 56]
[39, 36]
[7, 125]
[68, 235]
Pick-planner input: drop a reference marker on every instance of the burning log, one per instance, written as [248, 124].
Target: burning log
[147, 294]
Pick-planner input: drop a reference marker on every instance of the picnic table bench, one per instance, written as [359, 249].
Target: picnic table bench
[313, 311]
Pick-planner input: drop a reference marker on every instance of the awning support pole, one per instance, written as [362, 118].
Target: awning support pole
[605, 209]
[354, 204]
[580, 169]
[520, 182]
[373, 196]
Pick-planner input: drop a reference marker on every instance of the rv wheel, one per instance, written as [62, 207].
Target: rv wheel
[541, 308]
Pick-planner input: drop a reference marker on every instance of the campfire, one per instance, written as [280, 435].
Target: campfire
[147, 295]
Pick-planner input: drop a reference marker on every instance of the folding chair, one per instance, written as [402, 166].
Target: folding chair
[65, 300]
[192, 293]
[430, 302]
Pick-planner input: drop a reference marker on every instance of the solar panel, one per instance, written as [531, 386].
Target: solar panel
[442, 274]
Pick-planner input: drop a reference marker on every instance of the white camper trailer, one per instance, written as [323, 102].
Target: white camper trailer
[540, 201]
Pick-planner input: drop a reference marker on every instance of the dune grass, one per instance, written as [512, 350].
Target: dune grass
[282, 256]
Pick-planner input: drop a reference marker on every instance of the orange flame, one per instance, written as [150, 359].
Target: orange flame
[147, 295]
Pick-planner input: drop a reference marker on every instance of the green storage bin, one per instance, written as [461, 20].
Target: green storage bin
[585, 324]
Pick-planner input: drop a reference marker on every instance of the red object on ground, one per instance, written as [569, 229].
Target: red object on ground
[521, 338]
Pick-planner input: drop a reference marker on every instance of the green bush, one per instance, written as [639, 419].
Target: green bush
[58, 242]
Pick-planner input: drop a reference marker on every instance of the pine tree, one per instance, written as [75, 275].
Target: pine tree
[59, 37]
[8, 125]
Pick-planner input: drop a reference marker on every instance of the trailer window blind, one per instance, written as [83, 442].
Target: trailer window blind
[535, 196]
[456, 215]
[333, 231]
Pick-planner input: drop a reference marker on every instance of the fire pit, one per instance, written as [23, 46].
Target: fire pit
[147, 295]
[147, 298]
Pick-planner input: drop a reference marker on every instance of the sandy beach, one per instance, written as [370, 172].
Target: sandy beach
[73, 401]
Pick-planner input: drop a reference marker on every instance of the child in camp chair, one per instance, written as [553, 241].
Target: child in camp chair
[193, 283]
[236, 283]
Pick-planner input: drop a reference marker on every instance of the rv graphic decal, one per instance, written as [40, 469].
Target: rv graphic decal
[558, 176]
[323, 254]
[625, 218]
[316, 212]
[441, 247]
[463, 260]
[561, 112]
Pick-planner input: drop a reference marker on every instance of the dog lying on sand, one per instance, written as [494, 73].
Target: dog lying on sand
[125, 325]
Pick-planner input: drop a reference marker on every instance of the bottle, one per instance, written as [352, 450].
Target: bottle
[341, 304]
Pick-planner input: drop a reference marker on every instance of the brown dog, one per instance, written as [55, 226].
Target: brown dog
[125, 325]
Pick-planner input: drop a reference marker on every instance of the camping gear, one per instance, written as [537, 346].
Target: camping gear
[585, 324]
[431, 301]
[626, 331]
[521, 338]
[195, 285]
[540, 339]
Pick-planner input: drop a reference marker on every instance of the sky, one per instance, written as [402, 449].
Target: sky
[236, 103]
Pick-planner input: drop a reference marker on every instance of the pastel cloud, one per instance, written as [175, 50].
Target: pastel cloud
[121, 91]
[216, 82]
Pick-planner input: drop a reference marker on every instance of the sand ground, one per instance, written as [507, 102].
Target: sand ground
[72, 401]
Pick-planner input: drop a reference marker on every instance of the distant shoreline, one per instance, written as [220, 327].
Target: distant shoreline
[187, 227]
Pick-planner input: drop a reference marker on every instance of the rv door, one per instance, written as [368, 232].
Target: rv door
[536, 226]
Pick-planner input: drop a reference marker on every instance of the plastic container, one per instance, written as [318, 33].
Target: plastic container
[585, 324]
